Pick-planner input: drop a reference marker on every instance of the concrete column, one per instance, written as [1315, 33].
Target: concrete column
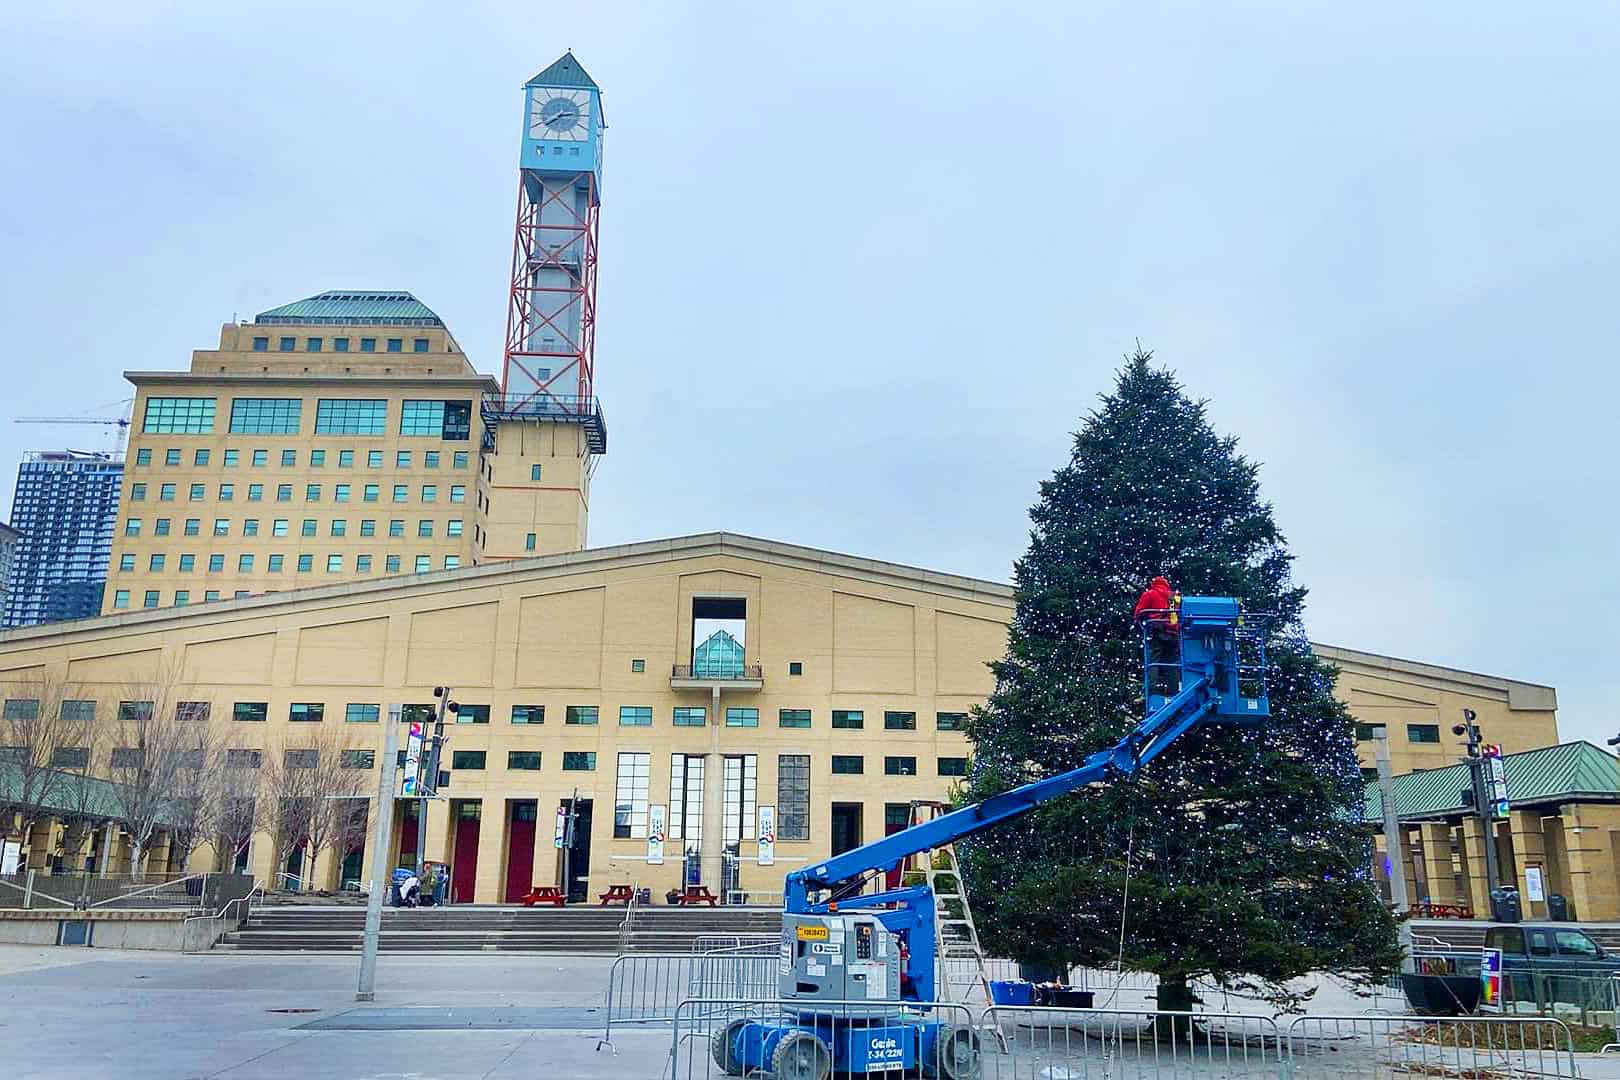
[714, 786]
[1473, 845]
[492, 840]
[1438, 869]
[1410, 857]
[546, 869]
[1530, 849]
[1592, 873]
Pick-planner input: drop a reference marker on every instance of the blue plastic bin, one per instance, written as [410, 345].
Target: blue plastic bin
[1011, 992]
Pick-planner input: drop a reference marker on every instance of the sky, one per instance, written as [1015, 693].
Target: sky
[866, 267]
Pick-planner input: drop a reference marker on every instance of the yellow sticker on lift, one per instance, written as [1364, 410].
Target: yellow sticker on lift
[812, 933]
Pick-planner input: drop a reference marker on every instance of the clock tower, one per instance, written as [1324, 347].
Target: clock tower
[547, 426]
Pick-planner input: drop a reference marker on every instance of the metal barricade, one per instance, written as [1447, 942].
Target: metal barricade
[1349, 1047]
[646, 988]
[1125, 1044]
[707, 943]
[935, 1039]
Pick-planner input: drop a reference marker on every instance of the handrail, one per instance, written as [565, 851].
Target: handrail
[257, 890]
[628, 925]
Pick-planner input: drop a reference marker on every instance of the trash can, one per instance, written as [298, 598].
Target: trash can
[1558, 907]
[1505, 905]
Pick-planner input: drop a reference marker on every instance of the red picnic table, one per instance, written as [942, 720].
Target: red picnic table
[616, 894]
[1441, 911]
[544, 894]
[696, 894]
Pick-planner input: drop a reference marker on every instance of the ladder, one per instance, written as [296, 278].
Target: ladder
[959, 964]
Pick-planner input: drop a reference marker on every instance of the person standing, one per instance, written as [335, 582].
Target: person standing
[1156, 614]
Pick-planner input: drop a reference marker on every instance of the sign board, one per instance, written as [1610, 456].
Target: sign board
[562, 827]
[1533, 887]
[657, 815]
[767, 835]
[409, 784]
[10, 856]
[1490, 980]
[812, 933]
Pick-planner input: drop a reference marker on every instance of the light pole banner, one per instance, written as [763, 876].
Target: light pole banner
[413, 761]
[562, 827]
[767, 835]
[656, 815]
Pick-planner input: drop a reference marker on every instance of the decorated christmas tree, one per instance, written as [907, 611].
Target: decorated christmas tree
[1240, 850]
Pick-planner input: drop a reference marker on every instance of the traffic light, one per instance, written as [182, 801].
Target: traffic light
[1469, 729]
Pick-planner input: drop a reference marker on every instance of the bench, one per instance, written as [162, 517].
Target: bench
[1441, 911]
[696, 894]
[544, 894]
[616, 894]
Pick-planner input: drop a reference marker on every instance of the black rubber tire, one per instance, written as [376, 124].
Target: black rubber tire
[956, 1053]
[801, 1056]
[722, 1048]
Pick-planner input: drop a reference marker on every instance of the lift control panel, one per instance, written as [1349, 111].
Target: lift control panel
[838, 958]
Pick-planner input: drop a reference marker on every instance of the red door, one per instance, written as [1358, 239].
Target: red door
[520, 850]
[896, 816]
[464, 872]
[407, 833]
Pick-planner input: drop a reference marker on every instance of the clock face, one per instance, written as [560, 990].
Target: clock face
[560, 114]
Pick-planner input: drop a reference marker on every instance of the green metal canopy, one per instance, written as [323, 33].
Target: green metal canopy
[564, 71]
[1568, 772]
[354, 307]
[100, 799]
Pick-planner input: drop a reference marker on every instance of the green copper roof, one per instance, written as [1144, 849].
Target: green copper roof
[1563, 773]
[65, 793]
[354, 307]
[566, 71]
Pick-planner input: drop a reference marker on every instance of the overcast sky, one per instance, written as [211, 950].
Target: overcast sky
[864, 266]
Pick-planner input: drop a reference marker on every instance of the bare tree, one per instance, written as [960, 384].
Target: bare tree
[82, 795]
[196, 803]
[238, 815]
[309, 783]
[159, 756]
[37, 739]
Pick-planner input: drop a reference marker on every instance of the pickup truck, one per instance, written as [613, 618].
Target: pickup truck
[1543, 964]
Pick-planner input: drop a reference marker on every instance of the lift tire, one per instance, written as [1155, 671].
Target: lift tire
[801, 1056]
[956, 1054]
[723, 1048]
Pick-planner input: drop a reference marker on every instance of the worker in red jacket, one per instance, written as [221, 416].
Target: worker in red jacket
[1155, 610]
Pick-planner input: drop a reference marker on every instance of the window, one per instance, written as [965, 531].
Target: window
[340, 344]
[137, 493]
[528, 542]
[395, 344]
[369, 493]
[525, 760]
[467, 759]
[251, 711]
[391, 564]
[198, 492]
[528, 714]
[454, 527]
[951, 721]
[171, 456]
[852, 719]
[179, 416]
[200, 457]
[452, 561]
[458, 460]
[154, 563]
[1575, 943]
[334, 564]
[345, 416]
[416, 714]
[244, 564]
[630, 796]
[230, 459]
[76, 757]
[22, 709]
[374, 459]
[357, 759]
[1369, 776]
[899, 721]
[368, 344]
[312, 344]
[430, 459]
[301, 759]
[150, 599]
[424, 528]
[283, 493]
[308, 527]
[473, 714]
[691, 716]
[339, 527]
[368, 526]
[312, 493]
[1367, 732]
[261, 344]
[793, 718]
[953, 766]
[638, 666]
[227, 492]
[182, 597]
[345, 459]
[401, 492]
[362, 564]
[340, 493]
[255, 493]
[266, 416]
[126, 563]
[848, 764]
[448, 420]
[424, 563]
[458, 493]
[579, 761]
[736, 717]
[361, 714]
[160, 527]
[306, 563]
[793, 796]
[216, 563]
[288, 344]
[306, 712]
[795, 667]
[193, 711]
[419, 344]
[243, 759]
[1423, 733]
[134, 711]
[193, 527]
[188, 563]
[534, 474]
[580, 715]
[317, 459]
[430, 493]
[143, 457]
[278, 527]
[210, 596]
[635, 716]
[132, 527]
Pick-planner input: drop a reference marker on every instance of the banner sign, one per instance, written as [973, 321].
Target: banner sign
[413, 761]
[656, 814]
[1490, 980]
[1533, 887]
[767, 835]
[562, 827]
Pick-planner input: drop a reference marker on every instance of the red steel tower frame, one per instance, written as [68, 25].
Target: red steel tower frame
[552, 235]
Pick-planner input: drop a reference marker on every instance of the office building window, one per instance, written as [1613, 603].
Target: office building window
[369, 493]
[581, 715]
[374, 459]
[259, 458]
[216, 563]
[391, 564]
[458, 460]
[160, 527]
[534, 473]
[852, 719]
[395, 344]
[630, 796]
[848, 764]
[312, 493]
[368, 344]
[340, 493]
[283, 493]
[334, 564]
[430, 459]
[288, 344]
[424, 563]
[424, 528]
[691, 716]
[899, 766]
[166, 493]
[524, 760]
[179, 416]
[227, 492]
[200, 457]
[345, 459]
[458, 493]
[362, 564]
[306, 712]
[368, 527]
[419, 344]
[250, 526]
[579, 761]
[143, 457]
[261, 344]
[231, 457]
[430, 493]
[255, 493]
[1423, 733]
[266, 416]
[137, 493]
[251, 711]
[737, 717]
[1367, 732]
[528, 542]
[357, 759]
[473, 714]
[132, 526]
[244, 564]
[150, 599]
[340, 344]
[198, 492]
[951, 721]
[795, 667]
[467, 759]
[402, 459]
[402, 492]
[126, 563]
[635, 716]
[274, 563]
[528, 714]
[289, 459]
[899, 721]
[793, 796]
[155, 563]
[352, 416]
[306, 563]
[454, 527]
[134, 711]
[317, 459]
[953, 766]
[309, 527]
[188, 563]
[361, 714]
[182, 597]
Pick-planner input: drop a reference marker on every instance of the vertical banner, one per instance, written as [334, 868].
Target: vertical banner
[562, 827]
[656, 814]
[1490, 980]
[413, 761]
[1533, 887]
[767, 835]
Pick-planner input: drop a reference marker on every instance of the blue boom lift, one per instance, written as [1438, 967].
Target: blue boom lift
[843, 997]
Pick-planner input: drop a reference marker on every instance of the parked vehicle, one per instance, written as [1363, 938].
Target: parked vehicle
[1543, 965]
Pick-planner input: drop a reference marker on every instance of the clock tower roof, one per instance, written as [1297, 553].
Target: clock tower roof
[565, 71]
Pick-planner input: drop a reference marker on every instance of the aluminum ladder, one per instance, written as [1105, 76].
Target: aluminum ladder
[959, 963]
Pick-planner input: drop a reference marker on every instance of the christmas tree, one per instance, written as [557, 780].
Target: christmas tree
[1241, 850]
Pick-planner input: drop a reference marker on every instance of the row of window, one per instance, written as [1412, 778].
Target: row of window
[275, 564]
[339, 344]
[232, 458]
[1415, 733]
[453, 527]
[341, 493]
[585, 761]
[450, 421]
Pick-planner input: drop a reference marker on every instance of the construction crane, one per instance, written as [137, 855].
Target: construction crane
[121, 423]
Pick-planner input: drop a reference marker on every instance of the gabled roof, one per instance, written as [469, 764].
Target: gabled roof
[564, 71]
[354, 307]
[1568, 772]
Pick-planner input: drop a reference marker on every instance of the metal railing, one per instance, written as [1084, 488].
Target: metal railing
[718, 673]
[196, 927]
[646, 988]
[1127, 1043]
[1382, 1046]
[33, 890]
[628, 925]
[715, 943]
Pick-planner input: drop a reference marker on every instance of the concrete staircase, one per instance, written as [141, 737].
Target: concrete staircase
[1470, 933]
[490, 928]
